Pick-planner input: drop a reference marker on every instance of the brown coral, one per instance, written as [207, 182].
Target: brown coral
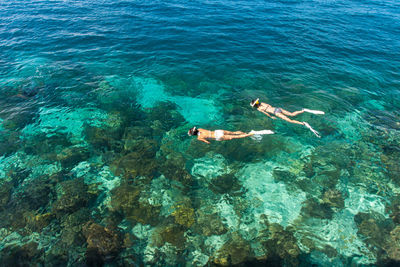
[183, 214]
[105, 241]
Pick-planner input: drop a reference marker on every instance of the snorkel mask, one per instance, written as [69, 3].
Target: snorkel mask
[255, 102]
[192, 131]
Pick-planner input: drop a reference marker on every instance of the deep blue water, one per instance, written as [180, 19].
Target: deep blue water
[96, 98]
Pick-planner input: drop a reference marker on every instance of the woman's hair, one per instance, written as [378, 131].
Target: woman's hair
[255, 103]
[193, 131]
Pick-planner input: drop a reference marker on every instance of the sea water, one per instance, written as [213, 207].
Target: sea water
[96, 98]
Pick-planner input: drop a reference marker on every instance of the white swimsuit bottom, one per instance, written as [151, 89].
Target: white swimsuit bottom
[218, 134]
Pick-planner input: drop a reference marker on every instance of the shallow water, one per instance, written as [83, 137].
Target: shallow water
[96, 98]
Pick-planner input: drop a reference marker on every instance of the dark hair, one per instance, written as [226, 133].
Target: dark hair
[193, 131]
[252, 103]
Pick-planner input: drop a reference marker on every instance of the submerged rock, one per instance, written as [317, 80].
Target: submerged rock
[71, 156]
[36, 222]
[173, 167]
[70, 246]
[18, 176]
[312, 208]
[74, 196]
[102, 241]
[24, 255]
[134, 135]
[333, 198]
[124, 196]
[25, 202]
[5, 193]
[235, 251]
[19, 118]
[46, 146]
[209, 224]
[103, 139]
[282, 243]
[9, 142]
[392, 246]
[125, 200]
[78, 218]
[226, 184]
[171, 233]
[391, 163]
[374, 227]
[183, 214]
[140, 162]
[164, 117]
[283, 176]
[394, 209]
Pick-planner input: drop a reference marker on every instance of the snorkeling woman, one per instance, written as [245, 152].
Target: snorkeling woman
[221, 135]
[281, 113]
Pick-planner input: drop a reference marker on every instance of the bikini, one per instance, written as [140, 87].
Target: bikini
[276, 110]
[218, 134]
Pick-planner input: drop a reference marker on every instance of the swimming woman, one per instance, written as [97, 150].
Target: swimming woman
[220, 135]
[281, 113]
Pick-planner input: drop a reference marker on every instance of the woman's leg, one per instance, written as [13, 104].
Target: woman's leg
[236, 136]
[283, 117]
[291, 114]
[233, 133]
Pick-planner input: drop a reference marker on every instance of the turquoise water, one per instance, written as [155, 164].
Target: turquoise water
[96, 168]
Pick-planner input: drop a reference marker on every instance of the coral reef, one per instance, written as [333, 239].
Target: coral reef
[183, 213]
[5, 193]
[74, 196]
[392, 246]
[140, 162]
[173, 167]
[36, 222]
[103, 139]
[171, 233]
[333, 198]
[226, 184]
[313, 208]
[164, 117]
[22, 255]
[101, 241]
[282, 243]
[125, 199]
[235, 251]
[374, 227]
[119, 182]
[209, 224]
[392, 165]
[394, 209]
[9, 142]
[70, 156]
